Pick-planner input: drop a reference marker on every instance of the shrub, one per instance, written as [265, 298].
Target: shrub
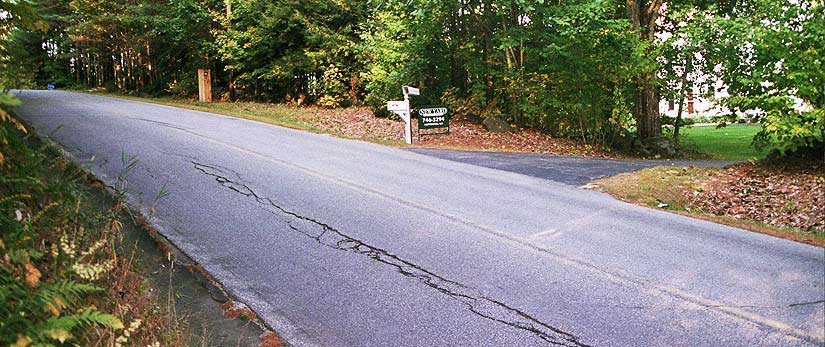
[49, 264]
[331, 88]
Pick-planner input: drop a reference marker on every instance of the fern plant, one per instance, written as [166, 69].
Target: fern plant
[42, 301]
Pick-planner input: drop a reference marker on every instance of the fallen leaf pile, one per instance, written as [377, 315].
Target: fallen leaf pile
[356, 123]
[776, 193]
[360, 123]
[468, 135]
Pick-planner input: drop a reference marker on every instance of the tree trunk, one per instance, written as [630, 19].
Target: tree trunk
[647, 110]
[642, 15]
[677, 123]
[231, 83]
[488, 47]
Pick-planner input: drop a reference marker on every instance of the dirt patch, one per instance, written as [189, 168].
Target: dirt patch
[471, 136]
[355, 123]
[271, 339]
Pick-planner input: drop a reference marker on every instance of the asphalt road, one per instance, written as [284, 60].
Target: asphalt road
[564, 169]
[344, 243]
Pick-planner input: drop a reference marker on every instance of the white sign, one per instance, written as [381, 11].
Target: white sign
[432, 112]
[410, 90]
[402, 109]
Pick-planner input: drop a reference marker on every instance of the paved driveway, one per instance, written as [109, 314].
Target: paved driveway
[569, 170]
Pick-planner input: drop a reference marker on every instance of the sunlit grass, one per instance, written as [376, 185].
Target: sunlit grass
[733, 142]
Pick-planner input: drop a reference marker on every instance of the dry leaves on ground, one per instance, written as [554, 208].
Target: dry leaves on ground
[782, 194]
[466, 135]
[360, 123]
[356, 123]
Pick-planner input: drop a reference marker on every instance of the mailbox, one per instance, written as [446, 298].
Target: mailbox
[402, 105]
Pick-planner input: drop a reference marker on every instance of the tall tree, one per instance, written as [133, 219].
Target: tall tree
[644, 16]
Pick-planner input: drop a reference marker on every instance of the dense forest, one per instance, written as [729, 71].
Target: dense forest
[589, 69]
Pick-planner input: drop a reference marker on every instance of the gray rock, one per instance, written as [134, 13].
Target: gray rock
[625, 140]
[497, 124]
[659, 146]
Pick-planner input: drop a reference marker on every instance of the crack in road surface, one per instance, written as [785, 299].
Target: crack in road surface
[472, 298]
[164, 124]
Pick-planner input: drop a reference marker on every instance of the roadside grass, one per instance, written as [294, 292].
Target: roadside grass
[299, 118]
[729, 143]
[359, 123]
[732, 142]
[277, 114]
[67, 276]
[670, 187]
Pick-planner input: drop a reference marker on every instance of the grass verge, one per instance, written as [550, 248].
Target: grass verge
[305, 119]
[359, 123]
[706, 193]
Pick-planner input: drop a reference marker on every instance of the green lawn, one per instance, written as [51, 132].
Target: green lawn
[732, 142]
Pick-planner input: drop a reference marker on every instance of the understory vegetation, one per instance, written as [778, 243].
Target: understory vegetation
[66, 277]
[590, 70]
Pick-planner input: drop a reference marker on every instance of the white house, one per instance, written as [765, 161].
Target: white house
[699, 102]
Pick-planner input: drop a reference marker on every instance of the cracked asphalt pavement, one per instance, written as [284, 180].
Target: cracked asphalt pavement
[337, 242]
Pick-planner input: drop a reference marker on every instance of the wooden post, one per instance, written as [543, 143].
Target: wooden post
[204, 85]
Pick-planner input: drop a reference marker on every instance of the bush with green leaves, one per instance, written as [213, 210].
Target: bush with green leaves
[772, 58]
[48, 264]
[330, 88]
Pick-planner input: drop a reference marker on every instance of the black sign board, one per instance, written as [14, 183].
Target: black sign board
[433, 117]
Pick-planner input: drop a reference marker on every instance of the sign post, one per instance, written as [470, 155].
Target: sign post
[402, 109]
[431, 117]
[204, 85]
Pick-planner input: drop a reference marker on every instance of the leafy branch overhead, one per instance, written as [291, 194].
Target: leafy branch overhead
[591, 70]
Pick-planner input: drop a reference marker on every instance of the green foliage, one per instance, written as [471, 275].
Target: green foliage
[282, 49]
[582, 87]
[684, 60]
[7, 101]
[330, 88]
[389, 43]
[44, 301]
[581, 68]
[564, 68]
[771, 58]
